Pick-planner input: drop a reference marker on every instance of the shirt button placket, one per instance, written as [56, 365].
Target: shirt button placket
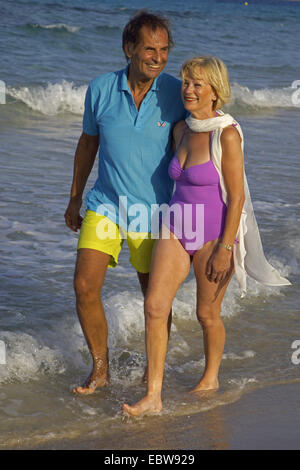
[139, 118]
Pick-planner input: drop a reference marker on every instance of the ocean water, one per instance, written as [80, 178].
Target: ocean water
[49, 52]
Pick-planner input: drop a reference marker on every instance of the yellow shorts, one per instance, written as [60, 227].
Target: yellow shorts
[100, 233]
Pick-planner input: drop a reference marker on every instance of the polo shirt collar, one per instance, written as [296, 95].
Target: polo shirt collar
[124, 81]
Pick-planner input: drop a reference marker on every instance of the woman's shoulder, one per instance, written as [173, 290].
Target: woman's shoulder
[230, 134]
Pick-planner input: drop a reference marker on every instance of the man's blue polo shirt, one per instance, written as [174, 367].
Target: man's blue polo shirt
[135, 146]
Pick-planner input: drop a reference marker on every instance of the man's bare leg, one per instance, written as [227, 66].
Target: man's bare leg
[88, 280]
[144, 281]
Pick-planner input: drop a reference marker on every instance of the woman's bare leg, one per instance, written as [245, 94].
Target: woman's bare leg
[144, 282]
[209, 300]
[170, 266]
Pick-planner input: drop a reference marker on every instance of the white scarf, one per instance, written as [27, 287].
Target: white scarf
[211, 124]
[248, 253]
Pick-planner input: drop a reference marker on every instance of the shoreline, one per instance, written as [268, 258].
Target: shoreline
[263, 419]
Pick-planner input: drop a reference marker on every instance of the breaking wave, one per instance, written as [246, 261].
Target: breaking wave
[66, 97]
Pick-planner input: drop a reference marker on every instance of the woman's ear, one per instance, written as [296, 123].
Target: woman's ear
[214, 95]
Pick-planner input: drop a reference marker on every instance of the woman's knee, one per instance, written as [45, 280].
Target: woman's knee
[156, 309]
[208, 316]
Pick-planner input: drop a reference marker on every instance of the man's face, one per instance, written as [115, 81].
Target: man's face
[149, 57]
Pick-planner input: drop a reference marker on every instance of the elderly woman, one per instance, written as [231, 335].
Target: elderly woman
[212, 196]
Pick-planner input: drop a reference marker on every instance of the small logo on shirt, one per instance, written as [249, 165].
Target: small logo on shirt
[161, 124]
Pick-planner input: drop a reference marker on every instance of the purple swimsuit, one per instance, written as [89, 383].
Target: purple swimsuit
[196, 212]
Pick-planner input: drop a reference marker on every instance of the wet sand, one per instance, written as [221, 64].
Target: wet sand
[264, 419]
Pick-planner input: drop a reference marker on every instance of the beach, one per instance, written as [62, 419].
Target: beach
[51, 52]
[265, 419]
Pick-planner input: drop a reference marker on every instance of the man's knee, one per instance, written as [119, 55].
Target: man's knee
[85, 288]
[89, 272]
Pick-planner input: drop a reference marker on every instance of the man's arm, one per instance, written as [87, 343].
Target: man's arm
[85, 155]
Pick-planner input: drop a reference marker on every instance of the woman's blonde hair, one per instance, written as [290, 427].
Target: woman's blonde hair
[215, 73]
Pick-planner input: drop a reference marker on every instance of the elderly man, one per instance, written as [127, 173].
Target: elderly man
[131, 113]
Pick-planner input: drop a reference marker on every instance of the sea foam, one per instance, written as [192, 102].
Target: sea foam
[66, 97]
[61, 27]
[53, 99]
[247, 99]
[27, 358]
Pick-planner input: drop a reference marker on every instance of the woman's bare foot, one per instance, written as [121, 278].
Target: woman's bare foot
[204, 386]
[99, 377]
[147, 405]
[145, 375]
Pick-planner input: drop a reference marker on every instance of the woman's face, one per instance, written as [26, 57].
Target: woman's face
[197, 95]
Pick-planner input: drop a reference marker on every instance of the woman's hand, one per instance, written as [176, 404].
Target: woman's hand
[219, 264]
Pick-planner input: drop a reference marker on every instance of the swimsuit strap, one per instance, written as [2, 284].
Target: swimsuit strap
[181, 138]
[182, 135]
[210, 144]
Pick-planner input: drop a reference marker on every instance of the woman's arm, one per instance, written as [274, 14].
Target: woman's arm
[233, 174]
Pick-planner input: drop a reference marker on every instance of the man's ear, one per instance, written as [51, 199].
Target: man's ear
[128, 48]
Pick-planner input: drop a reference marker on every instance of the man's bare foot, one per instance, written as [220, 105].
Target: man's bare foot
[147, 405]
[205, 386]
[99, 377]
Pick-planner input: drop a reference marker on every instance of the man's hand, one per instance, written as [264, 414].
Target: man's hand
[72, 215]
